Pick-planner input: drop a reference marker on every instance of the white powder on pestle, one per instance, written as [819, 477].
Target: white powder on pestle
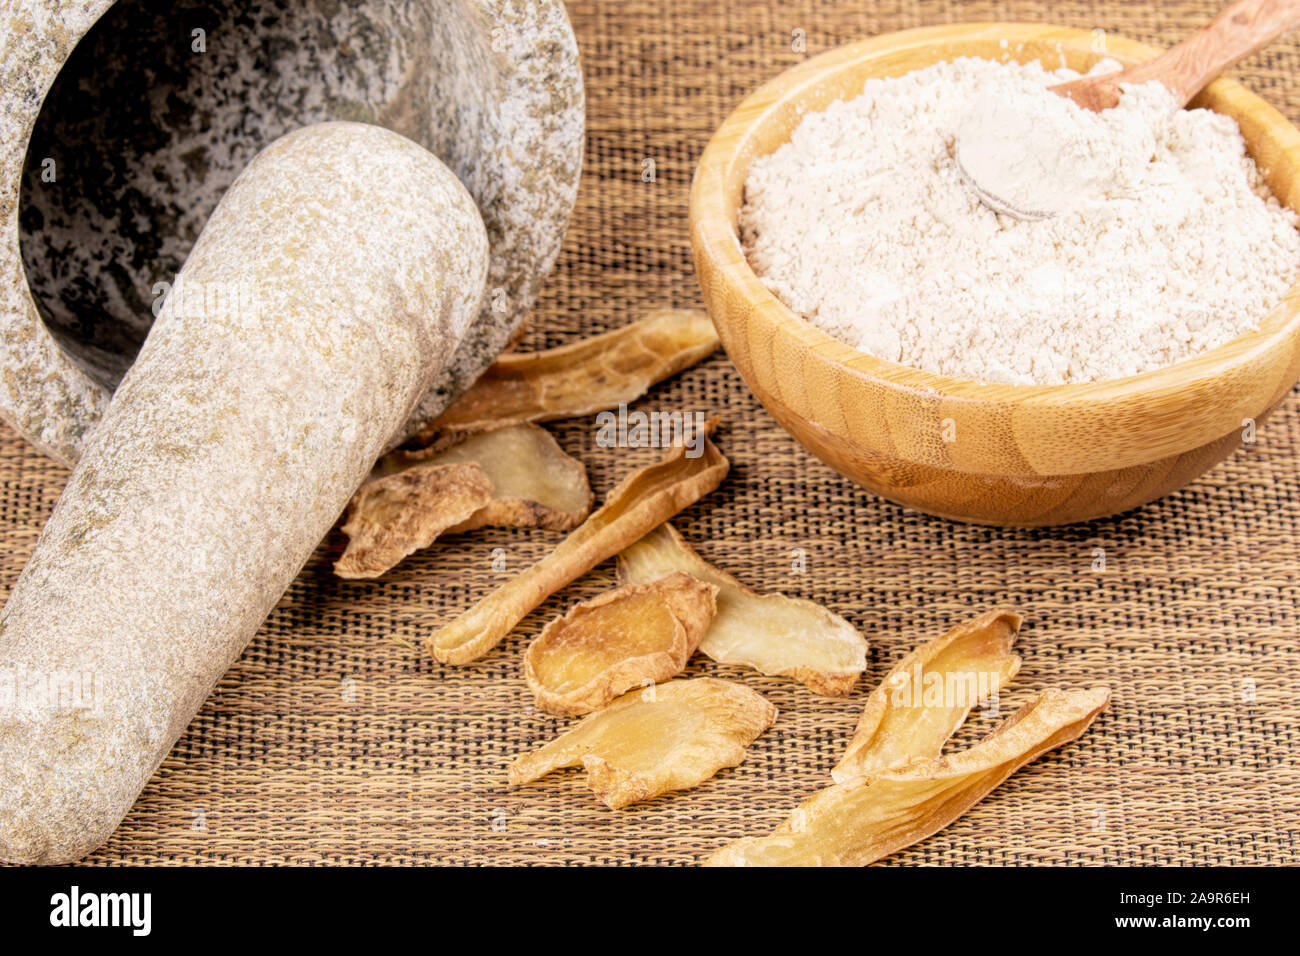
[1165, 242]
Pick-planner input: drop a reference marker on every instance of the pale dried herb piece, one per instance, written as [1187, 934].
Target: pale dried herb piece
[397, 515]
[867, 818]
[645, 498]
[665, 737]
[581, 378]
[535, 483]
[413, 497]
[927, 694]
[624, 638]
[772, 633]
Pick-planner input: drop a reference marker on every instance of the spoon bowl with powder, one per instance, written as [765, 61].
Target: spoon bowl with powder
[1034, 156]
[972, 367]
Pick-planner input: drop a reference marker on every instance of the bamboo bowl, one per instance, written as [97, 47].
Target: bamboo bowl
[992, 454]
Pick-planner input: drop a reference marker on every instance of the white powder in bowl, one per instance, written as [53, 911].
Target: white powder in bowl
[1168, 243]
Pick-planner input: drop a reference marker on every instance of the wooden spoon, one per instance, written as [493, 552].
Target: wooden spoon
[1238, 31]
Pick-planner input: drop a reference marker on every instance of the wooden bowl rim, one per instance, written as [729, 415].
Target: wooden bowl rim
[713, 231]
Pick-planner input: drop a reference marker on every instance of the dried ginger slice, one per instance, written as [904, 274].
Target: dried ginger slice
[867, 818]
[645, 498]
[772, 633]
[397, 515]
[624, 638]
[581, 378]
[414, 497]
[669, 736]
[928, 694]
[536, 484]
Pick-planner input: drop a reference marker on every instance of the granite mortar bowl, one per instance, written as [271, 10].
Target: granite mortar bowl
[1014, 455]
[123, 122]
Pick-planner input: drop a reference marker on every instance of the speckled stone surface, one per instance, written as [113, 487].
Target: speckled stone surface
[336, 278]
[44, 394]
[146, 132]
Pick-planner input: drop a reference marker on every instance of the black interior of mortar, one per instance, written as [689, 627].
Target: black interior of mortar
[147, 133]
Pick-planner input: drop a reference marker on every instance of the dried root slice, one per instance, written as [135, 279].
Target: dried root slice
[865, 819]
[927, 695]
[669, 736]
[535, 483]
[772, 633]
[395, 516]
[579, 379]
[628, 637]
[518, 477]
[647, 497]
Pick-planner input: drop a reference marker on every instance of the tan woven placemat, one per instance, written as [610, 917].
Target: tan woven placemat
[335, 740]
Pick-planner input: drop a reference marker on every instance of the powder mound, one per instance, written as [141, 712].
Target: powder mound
[1165, 242]
[1047, 155]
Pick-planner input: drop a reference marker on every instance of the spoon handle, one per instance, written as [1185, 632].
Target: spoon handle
[1239, 30]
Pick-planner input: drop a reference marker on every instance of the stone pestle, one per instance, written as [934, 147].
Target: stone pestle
[335, 279]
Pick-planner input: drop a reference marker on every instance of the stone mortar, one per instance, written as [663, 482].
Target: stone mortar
[333, 298]
[146, 132]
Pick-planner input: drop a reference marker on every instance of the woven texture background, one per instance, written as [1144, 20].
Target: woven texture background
[334, 739]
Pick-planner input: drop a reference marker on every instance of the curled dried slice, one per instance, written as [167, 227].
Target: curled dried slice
[666, 737]
[535, 483]
[394, 516]
[645, 498]
[771, 633]
[867, 818]
[581, 378]
[413, 497]
[621, 639]
[927, 695]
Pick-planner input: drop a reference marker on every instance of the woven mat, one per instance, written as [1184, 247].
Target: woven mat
[335, 740]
